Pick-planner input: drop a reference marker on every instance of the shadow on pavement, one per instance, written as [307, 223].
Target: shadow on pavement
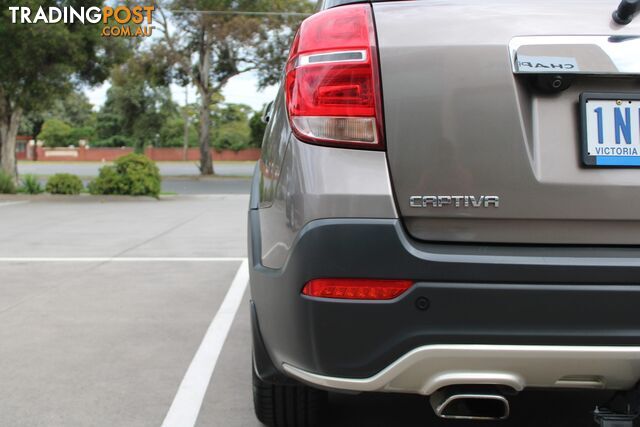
[529, 409]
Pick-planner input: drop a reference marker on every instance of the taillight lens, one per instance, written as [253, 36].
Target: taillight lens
[332, 79]
[360, 289]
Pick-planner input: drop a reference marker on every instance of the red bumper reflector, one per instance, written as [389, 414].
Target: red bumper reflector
[360, 289]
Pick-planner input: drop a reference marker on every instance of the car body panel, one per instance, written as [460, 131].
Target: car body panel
[322, 182]
[277, 135]
[459, 122]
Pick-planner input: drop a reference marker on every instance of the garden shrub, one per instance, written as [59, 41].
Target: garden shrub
[108, 182]
[64, 183]
[7, 186]
[56, 133]
[131, 175]
[115, 141]
[30, 185]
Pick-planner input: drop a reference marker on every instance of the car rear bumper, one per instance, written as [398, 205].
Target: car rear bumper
[533, 316]
[427, 369]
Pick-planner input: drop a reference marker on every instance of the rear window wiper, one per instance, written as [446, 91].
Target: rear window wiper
[626, 11]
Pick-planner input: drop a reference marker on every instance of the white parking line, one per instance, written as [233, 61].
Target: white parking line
[122, 259]
[3, 204]
[188, 400]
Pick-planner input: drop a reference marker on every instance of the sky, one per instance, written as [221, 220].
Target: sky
[242, 89]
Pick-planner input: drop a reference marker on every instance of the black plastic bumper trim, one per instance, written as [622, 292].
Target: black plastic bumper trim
[477, 295]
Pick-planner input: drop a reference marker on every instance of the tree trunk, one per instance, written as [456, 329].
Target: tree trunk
[37, 128]
[9, 123]
[206, 165]
[185, 115]
[204, 87]
[185, 143]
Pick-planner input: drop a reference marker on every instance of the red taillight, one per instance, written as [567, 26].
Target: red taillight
[362, 289]
[332, 79]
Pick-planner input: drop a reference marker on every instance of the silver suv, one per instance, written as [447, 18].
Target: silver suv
[448, 204]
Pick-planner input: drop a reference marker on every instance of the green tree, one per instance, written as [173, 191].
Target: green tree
[73, 109]
[231, 126]
[137, 107]
[41, 62]
[258, 127]
[210, 49]
[172, 133]
[108, 124]
[87, 133]
[56, 133]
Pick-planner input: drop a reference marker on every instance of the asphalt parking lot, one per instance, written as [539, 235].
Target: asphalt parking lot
[133, 312]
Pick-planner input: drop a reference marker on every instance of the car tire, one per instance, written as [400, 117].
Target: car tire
[287, 405]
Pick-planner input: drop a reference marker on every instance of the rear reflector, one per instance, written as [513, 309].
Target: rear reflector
[332, 79]
[360, 289]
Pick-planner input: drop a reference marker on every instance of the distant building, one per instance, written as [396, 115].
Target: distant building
[22, 147]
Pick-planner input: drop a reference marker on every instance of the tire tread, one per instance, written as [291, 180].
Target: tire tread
[291, 405]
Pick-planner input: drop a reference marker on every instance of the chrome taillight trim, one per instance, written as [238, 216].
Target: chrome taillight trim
[333, 57]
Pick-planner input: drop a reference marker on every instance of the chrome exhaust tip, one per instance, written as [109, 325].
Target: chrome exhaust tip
[470, 406]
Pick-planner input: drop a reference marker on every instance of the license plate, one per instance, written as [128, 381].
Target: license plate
[610, 129]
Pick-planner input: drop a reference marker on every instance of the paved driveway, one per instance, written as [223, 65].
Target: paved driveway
[105, 302]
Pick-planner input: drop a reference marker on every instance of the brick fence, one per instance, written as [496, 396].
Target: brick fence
[82, 154]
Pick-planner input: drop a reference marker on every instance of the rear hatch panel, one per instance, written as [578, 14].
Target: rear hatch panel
[462, 119]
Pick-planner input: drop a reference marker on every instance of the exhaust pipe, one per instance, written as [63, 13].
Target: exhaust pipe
[454, 405]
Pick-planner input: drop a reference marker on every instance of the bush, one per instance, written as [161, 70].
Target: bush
[64, 183]
[7, 186]
[107, 182]
[85, 132]
[56, 133]
[30, 185]
[131, 175]
[115, 141]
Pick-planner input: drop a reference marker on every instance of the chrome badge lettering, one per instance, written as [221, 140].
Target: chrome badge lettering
[546, 64]
[454, 201]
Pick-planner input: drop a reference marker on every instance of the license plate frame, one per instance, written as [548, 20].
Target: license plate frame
[604, 161]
